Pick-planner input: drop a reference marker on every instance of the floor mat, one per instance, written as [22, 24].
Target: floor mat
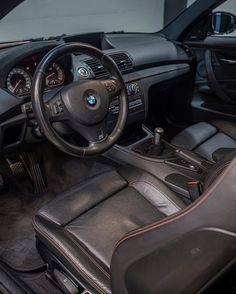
[19, 205]
[17, 238]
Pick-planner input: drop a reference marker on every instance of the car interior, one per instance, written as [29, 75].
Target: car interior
[118, 158]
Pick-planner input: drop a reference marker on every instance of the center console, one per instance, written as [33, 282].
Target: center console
[179, 169]
[137, 105]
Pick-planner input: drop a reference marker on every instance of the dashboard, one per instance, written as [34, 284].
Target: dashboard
[19, 79]
[143, 59]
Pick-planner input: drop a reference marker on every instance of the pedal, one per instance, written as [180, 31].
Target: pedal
[33, 168]
[17, 169]
[10, 167]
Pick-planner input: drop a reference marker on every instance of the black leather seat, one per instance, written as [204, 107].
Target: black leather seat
[98, 232]
[206, 138]
[84, 224]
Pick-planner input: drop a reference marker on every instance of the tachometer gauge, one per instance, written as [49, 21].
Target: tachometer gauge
[19, 82]
[55, 76]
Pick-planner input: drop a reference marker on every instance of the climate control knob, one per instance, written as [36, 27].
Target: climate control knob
[133, 89]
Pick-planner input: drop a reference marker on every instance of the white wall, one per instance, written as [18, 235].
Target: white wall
[35, 18]
[228, 6]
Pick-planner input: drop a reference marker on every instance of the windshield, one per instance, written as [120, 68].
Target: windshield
[47, 18]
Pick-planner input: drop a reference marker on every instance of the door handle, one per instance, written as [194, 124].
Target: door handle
[228, 61]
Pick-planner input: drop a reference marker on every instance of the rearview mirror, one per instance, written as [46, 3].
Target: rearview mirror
[223, 23]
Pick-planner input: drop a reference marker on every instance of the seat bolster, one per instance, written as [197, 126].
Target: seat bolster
[220, 140]
[221, 153]
[181, 253]
[194, 135]
[72, 255]
[81, 198]
[153, 190]
[229, 128]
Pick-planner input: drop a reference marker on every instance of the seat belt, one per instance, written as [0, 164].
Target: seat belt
[195, 189]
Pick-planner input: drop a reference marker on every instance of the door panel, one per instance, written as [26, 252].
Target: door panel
[215, 84]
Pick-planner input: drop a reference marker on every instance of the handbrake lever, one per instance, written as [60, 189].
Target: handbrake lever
[191, 157]
[194, 159]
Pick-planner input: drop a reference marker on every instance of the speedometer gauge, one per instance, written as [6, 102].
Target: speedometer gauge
[55, 76]
[19, 82]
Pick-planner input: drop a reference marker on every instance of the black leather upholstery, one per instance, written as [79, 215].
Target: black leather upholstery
[181, 253]
[10, 284]
[205, 138]
[82, 226]
[127, 233]
[221, 153]
[218, 169]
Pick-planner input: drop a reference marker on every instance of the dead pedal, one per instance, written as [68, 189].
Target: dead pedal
[32, 165]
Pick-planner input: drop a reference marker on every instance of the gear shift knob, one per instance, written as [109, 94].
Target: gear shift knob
[158, 135]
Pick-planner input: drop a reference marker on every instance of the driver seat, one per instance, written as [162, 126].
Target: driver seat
[126, 232]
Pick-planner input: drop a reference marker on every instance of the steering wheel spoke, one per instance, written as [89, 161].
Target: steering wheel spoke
[93, 134]
[113, 88]
[56, 110]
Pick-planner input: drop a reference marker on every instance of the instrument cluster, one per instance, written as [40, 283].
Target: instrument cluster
[19, 79]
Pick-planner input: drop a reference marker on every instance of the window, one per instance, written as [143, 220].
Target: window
[230, 7]
[45, 18]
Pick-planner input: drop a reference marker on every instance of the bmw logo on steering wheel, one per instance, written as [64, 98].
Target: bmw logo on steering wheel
[91, 100]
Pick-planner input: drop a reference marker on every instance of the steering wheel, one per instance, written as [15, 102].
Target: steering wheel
[83, 105]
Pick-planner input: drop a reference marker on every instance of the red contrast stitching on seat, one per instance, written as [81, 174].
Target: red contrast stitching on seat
[59, 247]
[87, 254]
[177, 215]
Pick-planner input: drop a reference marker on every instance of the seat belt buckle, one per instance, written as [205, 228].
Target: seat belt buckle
[195, 189]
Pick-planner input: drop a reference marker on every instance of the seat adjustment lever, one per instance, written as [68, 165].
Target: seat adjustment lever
[66, 284]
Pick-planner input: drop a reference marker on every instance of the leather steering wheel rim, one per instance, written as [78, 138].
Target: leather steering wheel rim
[41, 111]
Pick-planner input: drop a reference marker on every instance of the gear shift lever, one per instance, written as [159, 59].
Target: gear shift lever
[154, 147]
[158, 135]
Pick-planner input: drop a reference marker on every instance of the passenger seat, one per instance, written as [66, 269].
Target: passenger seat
[209, 140]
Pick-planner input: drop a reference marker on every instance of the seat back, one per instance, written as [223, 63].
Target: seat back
[184, 252]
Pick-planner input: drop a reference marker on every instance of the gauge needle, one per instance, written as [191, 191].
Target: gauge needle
[17, 84]
[50, 75]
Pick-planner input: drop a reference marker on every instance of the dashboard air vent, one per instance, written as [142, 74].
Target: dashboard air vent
[122, 60]
[99, 71]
